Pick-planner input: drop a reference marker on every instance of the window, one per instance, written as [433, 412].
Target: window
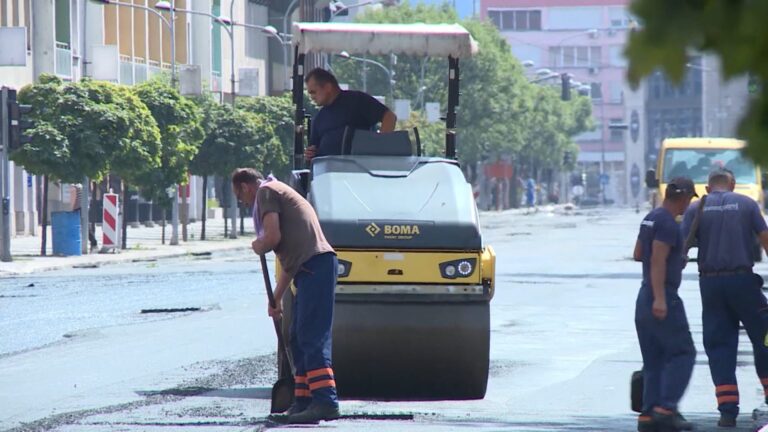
[3, 12]
[617, 135]
[216, 38]
[697, 164]
[62, 21]
[255, 40]
[617, 56]
[596, 91]
[574, 18]
[617, 92]
[575, 56]
[516, 20]
[618, 16]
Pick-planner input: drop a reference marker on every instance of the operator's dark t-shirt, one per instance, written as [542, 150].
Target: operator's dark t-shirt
[660, 225]
[355, 109]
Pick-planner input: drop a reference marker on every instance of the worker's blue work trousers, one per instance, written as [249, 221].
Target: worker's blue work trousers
[726, 301]
[667, 349]
[311, 329]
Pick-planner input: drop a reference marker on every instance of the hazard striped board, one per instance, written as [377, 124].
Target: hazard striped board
[109, 226]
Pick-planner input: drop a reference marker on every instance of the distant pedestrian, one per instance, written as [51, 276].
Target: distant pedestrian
[730, 291]
[662, 326]
[287, 224]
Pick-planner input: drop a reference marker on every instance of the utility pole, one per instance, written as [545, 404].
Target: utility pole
[5, 245]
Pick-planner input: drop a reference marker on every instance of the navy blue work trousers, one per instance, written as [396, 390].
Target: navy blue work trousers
[667, 349]
[311, 329]
[726, 301]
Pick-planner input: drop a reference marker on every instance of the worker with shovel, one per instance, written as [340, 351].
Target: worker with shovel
[287, 224]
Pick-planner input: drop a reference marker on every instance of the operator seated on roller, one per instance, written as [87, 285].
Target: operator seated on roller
[340, 109]
[287, 224]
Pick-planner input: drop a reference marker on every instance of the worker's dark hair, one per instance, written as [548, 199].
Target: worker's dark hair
[245, 176]
[322, 77]
[721, 176]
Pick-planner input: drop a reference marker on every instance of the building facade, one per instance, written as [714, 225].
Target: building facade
[69, 38]
[584, 38]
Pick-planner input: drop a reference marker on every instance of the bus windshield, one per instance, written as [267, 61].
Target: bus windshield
[698, 163]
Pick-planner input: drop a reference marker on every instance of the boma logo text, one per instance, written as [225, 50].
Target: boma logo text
[401, 230]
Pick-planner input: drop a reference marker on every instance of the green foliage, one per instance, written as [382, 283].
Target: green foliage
[735, 31]
[179, 122]
[234, 138]
[83, 129]
[500, 112]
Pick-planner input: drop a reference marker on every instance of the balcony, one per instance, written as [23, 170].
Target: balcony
[139, 70]
[154, 68]
[126, 70]
[63, 60]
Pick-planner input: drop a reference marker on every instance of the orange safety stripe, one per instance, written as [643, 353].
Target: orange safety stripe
[302, 393]
[644, 418]
[664, 411]
[764, 381]
[301, 379]
[319, 372]
[726, 388]
[727, 399]
[321, 384]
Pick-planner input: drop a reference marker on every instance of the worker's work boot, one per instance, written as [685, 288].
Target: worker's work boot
[670, 421]
[314, 413]
[727, 420]
[296, 407]
[645, 423]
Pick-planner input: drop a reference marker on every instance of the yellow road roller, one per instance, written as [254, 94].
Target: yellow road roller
[412, 318]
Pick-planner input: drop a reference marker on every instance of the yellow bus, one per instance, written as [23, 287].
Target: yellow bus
[695, 158]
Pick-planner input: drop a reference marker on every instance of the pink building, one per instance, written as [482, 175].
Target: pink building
[584, 38]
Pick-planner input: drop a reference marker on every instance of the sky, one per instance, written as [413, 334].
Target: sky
[463, 7]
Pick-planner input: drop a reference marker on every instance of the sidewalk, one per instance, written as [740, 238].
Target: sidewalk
[143, 244]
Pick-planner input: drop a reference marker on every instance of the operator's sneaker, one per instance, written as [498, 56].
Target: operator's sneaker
[645, 423]
[727, 420]
[314, 413]
[671, 421]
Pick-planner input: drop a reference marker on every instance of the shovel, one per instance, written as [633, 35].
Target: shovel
[283, 389]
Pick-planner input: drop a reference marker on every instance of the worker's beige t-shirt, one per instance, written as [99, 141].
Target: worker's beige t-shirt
[301, 237]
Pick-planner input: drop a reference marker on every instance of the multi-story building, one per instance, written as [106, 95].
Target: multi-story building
[70, 37]
[584, 38]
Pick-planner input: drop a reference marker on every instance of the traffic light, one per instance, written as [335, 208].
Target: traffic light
[567, 158]
[565, 80]
[19, 122]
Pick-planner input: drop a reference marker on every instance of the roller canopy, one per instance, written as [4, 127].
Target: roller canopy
[435, 40]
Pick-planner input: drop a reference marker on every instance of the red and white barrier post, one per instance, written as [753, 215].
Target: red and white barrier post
[109, 224]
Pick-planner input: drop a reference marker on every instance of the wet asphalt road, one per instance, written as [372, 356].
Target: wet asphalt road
[77, 354]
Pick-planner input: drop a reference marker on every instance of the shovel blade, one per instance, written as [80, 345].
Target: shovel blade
[282, 395]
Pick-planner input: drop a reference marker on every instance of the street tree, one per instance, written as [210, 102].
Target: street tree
[734, 31]
[179, 121]
[233, 138]
[82, 130]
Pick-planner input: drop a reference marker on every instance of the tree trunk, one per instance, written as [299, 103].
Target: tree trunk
[205, 205]
[44, 239]
[124, 190]
[241, 209]
[184, 210]
[224, 207]
[162, 214]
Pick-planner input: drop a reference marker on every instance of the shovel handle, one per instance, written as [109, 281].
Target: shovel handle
[267, 281]
[273, 304]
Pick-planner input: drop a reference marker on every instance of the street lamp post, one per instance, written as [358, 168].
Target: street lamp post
[346, 55]
[170, 24]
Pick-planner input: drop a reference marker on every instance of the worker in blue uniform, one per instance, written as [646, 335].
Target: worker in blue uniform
[662, 326]
[730, 292]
